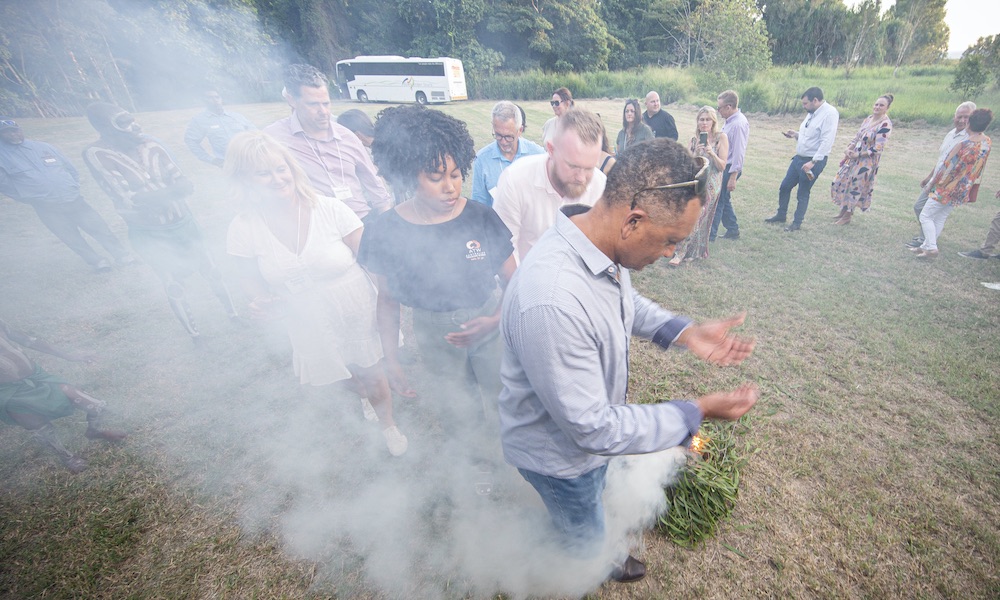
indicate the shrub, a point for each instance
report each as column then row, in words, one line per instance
column 756, row 96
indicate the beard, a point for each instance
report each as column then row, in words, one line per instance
column 566, row 189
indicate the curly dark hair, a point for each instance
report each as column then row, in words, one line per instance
column 659, row 161
column 410, row 140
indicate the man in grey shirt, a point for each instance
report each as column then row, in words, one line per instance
column 568, row 317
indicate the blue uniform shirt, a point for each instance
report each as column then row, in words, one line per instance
column 36, row 173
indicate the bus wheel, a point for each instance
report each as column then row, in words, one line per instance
column 421, row 98
column 362, row 96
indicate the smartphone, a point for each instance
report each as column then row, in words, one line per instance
column 703, row 138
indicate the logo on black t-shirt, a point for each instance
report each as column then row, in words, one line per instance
column 475, row 252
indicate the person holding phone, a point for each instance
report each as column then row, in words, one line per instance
column 713, row 145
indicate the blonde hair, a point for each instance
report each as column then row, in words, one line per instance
column 711, row 113
column 587, row 125
column 252, row 151
column 729, row 98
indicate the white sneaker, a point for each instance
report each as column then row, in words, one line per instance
column 368, row 410
column 395, row 441
column 992, row 286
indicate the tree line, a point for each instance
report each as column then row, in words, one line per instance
column 58, row 56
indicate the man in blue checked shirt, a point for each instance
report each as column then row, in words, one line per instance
column 492, row 159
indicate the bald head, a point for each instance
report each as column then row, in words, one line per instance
column 652, row 104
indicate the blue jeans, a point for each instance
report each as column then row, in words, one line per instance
column 575, row 507
column 795, row 176
column 724, row 209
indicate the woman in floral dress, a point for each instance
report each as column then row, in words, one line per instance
column 715, row 151
column 852, row 188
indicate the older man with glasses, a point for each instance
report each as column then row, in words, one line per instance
column 568, row 318
column 492, row 159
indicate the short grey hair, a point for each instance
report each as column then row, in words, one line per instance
column 507, row 111
column 967, row 104
column 298, row 76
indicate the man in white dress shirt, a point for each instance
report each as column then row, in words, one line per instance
column 531, row 190
column 815, row 139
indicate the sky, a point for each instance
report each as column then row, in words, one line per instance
column 970, row 20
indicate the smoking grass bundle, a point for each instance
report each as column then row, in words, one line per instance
column 705, row 493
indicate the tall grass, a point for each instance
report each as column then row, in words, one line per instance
column 921, row 92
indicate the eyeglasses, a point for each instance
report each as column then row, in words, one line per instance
column 503, row 138
column 555, row 103
column 699, row 183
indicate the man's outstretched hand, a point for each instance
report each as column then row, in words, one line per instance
column 729, row 405
column 712, row 341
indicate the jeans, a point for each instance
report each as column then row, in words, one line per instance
column 66, row 220
column 576, row 508
column 932, row 219
column 795, row 176
column 724, row 209
column 467, row 378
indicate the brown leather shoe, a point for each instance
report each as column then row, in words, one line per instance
column 631, row 571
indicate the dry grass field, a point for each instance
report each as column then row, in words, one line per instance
column 874, row 471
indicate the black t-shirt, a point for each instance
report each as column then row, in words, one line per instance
column 440, row 267
column 662, row 124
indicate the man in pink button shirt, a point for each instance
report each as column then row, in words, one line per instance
column 333, row 158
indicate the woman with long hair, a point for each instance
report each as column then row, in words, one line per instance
column 711, row 144
column 633, row 129
column 855, row 180
column 956, row 182
column 296, row 252
column 440, row 254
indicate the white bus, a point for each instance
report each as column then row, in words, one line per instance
column 398, row 79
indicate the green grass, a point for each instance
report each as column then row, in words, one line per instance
column 876, row 472
column 921, row 92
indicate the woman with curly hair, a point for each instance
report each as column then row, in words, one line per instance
column 296, row 251
column 855, row 181
column 956, row 182
column 633, row 129
column 439, row 254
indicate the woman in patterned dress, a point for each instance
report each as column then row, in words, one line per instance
column 716, row 151
column 957, row 182
column 855, row 180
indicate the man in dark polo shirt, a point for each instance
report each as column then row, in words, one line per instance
column 660, row 121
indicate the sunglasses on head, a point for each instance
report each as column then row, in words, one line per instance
column 6, row 123
column 699, row 183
